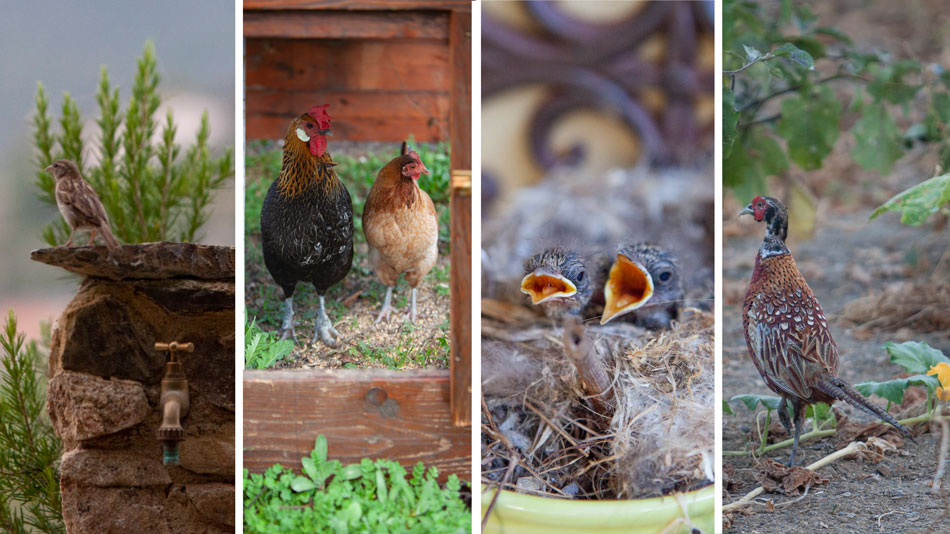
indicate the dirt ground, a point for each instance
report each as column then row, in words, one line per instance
column 353, row 305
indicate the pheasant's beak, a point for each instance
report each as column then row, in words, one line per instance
column 747, row 211
column 544, row 285
column 629, row 286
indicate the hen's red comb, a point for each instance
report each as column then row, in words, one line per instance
column 320, row 114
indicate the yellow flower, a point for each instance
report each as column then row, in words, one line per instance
column 942, row 370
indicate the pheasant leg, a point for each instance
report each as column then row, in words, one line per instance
column 387, row 308
column 287, row 325
column 323, row 328
column 799, row 416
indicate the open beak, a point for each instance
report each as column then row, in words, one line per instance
column 629, row 286
column 747, row 211
column 543, row 285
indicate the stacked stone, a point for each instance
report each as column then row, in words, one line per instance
column 103, row 395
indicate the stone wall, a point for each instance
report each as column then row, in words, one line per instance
column 105, row 375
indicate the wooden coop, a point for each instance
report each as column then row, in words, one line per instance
column 388, row 69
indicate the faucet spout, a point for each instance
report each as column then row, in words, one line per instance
column 174, row 404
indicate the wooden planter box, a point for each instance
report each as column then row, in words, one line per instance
column 300, row 53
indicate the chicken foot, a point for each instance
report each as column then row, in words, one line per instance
column 323, row 328
column 287, row 325
column 387, row 308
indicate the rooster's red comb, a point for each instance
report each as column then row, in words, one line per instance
column 320, row 114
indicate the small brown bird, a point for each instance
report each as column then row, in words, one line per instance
column 79, row 204
column 787, row 332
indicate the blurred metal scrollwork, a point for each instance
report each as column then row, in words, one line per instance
column 598, row 66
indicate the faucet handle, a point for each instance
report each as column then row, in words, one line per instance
column 174, row 346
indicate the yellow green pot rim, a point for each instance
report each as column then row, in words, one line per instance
column 644, row 514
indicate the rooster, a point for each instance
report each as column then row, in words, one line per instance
column 787, row 332
column 307, row 220
column 401, row 227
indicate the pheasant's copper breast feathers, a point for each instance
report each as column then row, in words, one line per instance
column 786, row 329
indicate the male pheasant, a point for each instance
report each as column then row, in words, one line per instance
column 787, row 332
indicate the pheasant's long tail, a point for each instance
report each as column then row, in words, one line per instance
column 841, row 390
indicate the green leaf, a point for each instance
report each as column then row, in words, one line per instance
column 755, row 156
column 920, row 201
column 877, row 139
column 803, row 17
column 310, row 468
column 770, row 402
column 302, row 484
column 751, row 53
column 941, row 104
column 730, row 119
column 915, row 356
column 726, row 409
column 819, row 411
column 809, row 125
column 320, row 448
column 888, row 83
column 893, row 390
column 351, row 472
column 795, row 54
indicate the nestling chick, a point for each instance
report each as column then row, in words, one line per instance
column 558, row 281
column 79, row 204
column 401, row 227
column 643, row 273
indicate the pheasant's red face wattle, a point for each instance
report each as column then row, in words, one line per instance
column 758, row 208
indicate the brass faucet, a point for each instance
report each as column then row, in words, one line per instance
column 175, row 401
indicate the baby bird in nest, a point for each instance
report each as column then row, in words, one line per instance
column 643, row 283
column 558, row 282
column 79, row 204
column 644, row 280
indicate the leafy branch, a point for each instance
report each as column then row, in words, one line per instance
column 151, row 188
column 29, row 451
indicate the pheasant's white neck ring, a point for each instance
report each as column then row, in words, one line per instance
column 302, row 135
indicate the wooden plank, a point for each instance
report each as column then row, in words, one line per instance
column 460, row 127
column 346, row 25
column 400, row 415
column 358, row 116
column 333, row 64
column 394, row 5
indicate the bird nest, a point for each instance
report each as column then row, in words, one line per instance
column 549, row 429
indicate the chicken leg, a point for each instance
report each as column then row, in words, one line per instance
column 412, row 307
column 287, row 325
column 323, row 328
column 387, row 308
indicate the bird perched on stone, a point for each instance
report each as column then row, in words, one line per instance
column 787, row 332
column 558, row 281
column 644, row 280
column 79, row 204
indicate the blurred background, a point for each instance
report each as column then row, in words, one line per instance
column 593, row 86
column 63, row 45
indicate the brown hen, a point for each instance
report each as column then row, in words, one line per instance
column 401, row 227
